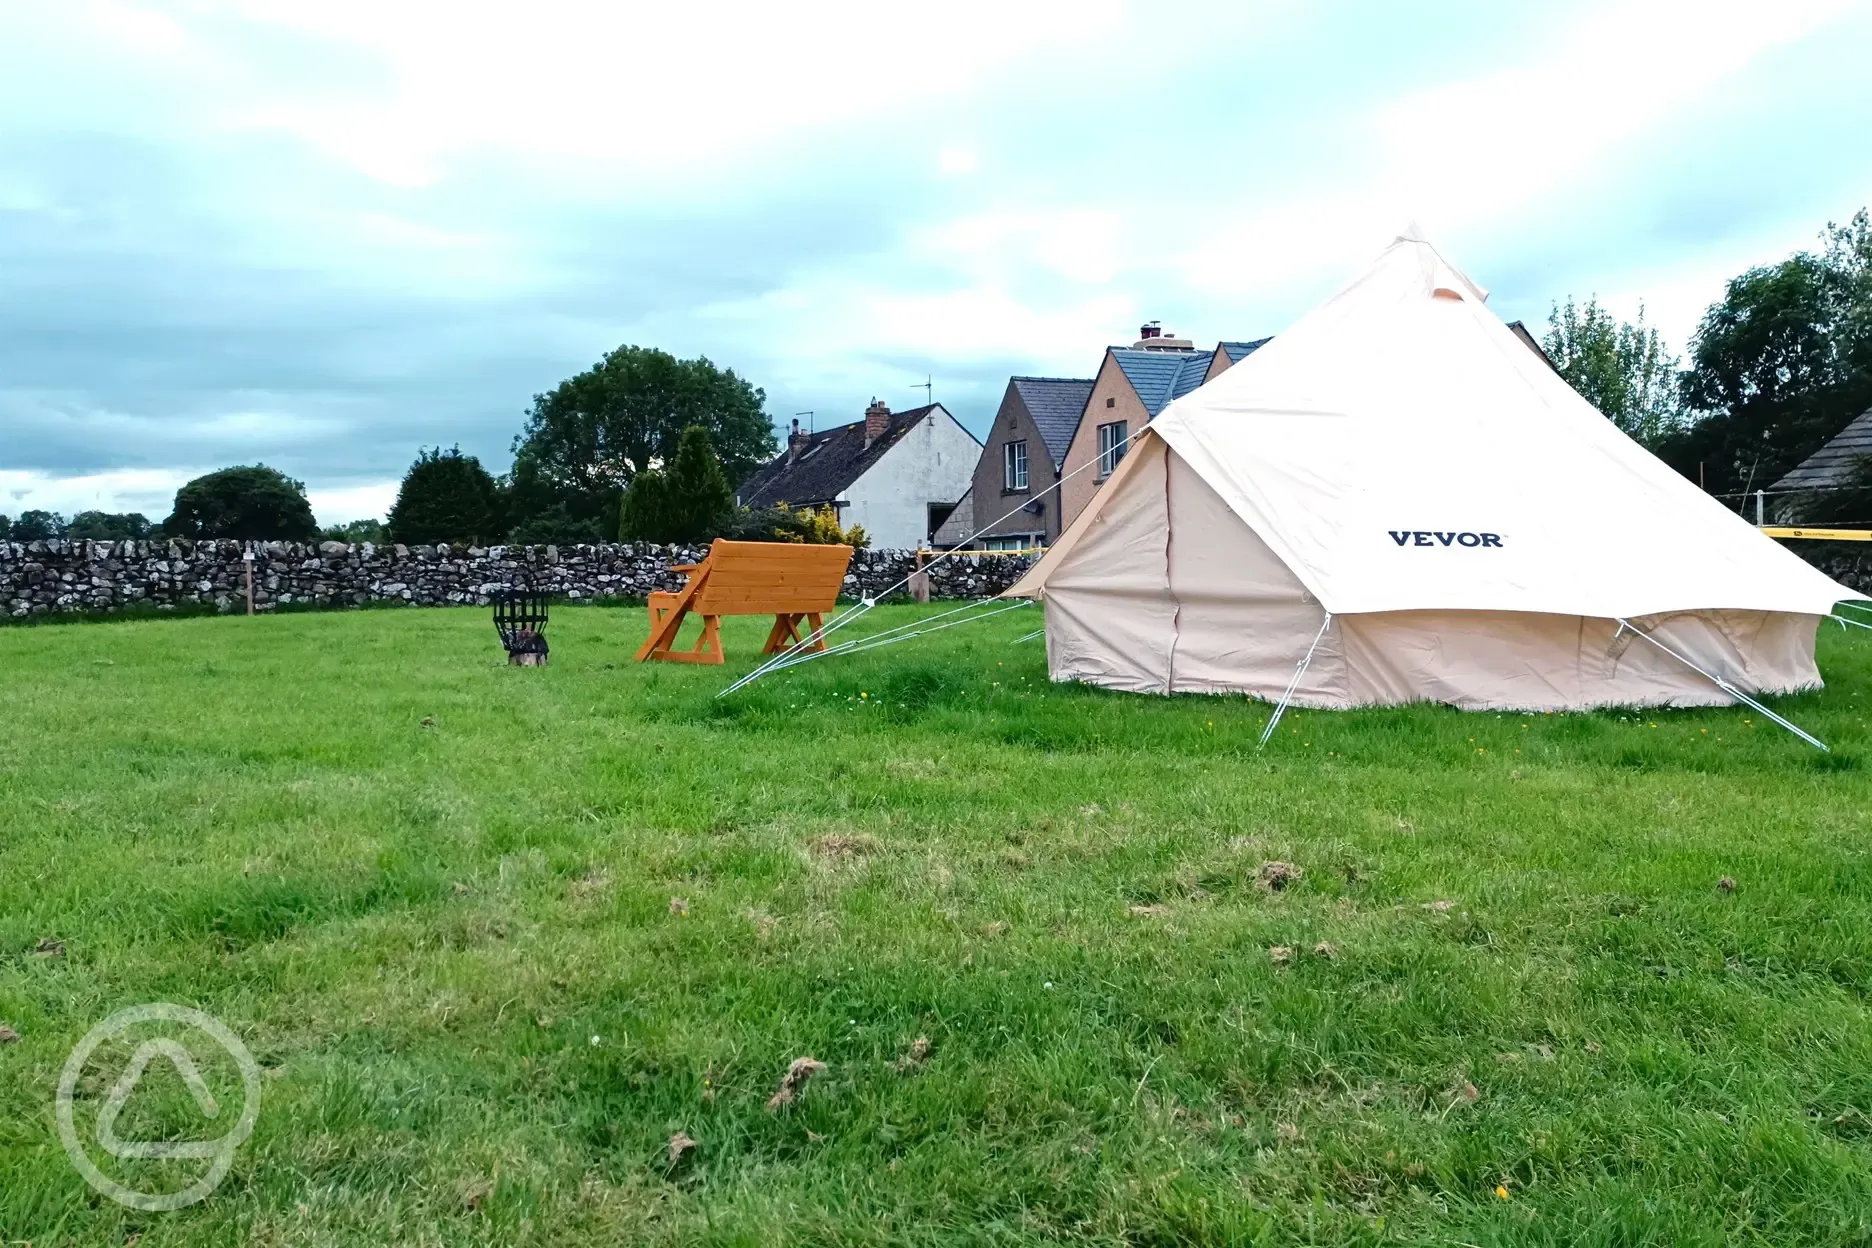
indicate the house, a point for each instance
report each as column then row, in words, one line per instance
column 1834, row 464
column 1077, row 422
column 1227, row 353
column 960, row 526
column 1528, row 340
column 897, row 474
column 1134, row 384
column 1025, row 448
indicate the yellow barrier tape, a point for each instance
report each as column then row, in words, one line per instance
column 1820, row 535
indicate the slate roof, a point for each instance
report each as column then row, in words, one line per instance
column 1835, row 462
column 1532, row 343
column 827, row 464
column 1055, row 403
column 1160, row 376
column 1238, row 351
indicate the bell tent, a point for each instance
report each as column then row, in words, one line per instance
column 1396, row 501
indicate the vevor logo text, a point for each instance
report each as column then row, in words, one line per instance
column 1431, row 537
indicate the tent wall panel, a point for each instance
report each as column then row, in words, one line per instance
column 1244, row 621
column 1757, row 651
column 1110, row 619
column 1487, row 660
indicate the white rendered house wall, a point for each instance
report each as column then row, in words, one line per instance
column 933, row 463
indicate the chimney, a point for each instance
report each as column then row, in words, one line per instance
column 877, row 420
column 794, row 442
column 1151, row 337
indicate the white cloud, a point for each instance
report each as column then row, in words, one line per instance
column 1081, row 244
column 370, row 501
column 1467, row 156
column 621, row 91
column 150, row 491
column 844, row 324
column 324, row 234
column 956, row 159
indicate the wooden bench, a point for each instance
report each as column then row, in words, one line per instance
column 794, row 582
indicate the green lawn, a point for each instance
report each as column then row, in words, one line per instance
column 435, row 896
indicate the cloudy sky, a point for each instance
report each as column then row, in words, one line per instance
column 324, row 233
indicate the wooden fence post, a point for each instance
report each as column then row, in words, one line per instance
column 919, row 579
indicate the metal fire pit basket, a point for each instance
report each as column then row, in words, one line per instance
column 520, row 619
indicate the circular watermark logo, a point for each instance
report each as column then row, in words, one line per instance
column 166, row 1044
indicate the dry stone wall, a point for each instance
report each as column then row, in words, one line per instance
column 1849, row 563
column 43, row 578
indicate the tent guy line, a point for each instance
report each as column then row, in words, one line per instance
column 903, row 632
column 1726, row 687
column 1299, row 671
column 860, row 644
column 865, row 603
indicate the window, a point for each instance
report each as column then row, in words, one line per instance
column 1111, row 446
column 1111, row 402
column 1022, row 541
column 1014, row 465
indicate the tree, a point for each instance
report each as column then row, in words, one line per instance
column 6, row 529
column 540, row 513
column 38, row 526
column 105, row 526
column 1780, row 365
column 251, row 503
column 644, row 512
column 700, row 498
column 446, row 497
column 1621, row 369
column 691, row 502
column 589, row 438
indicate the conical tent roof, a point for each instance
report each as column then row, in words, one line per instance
column 1399, row 449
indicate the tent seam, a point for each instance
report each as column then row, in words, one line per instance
column 1176, row 616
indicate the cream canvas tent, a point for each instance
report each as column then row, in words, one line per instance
column 1399, row 488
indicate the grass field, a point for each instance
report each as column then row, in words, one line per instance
column 496, row 935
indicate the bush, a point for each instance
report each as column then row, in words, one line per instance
column 250, row 503
column 446, row 497
column 781, row 523
column 354, row 532
column 557, row 526
column 105, row 526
